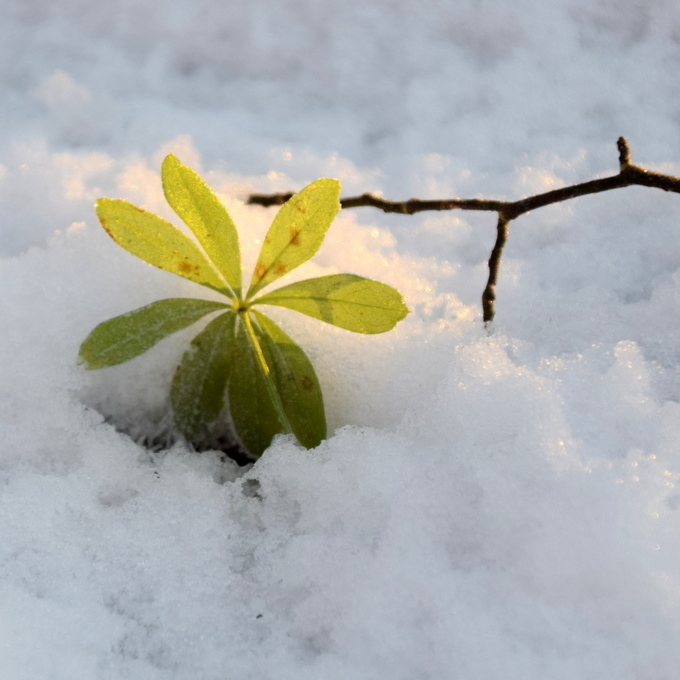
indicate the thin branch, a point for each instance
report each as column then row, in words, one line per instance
column 415, row 205
column 489, row 294
column 628, row 175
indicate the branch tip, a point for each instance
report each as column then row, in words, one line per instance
column 624, row 152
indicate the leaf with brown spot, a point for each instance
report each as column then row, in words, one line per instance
column 260, row 270
column 195, row 203
column 297, row 232
column 156, row 241
column 295, row 381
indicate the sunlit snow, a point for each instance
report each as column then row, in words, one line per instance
column 488, row 506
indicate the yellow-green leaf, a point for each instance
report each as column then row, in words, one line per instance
column 196, row 204
column 297, row 232
column 295, row 381
column 252, row 411
column 345, row 300
column 156, row 241
column 128, row 335
column 200, row 382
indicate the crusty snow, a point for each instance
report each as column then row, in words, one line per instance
column 499, row 506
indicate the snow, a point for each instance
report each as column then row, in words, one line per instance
column 486, row 507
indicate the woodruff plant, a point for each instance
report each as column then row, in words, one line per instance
column 272, row 385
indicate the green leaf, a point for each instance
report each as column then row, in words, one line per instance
column 295, row 381
column 345, row 300
column 124, row 337
column 156, row 241
column 297, row 232
column 200, row 382
column 252, row 410
column 194, row 202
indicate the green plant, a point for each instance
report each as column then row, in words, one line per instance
column 271, row 383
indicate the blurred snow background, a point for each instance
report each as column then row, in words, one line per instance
column 487, row 508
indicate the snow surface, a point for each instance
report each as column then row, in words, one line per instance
column 488, row 507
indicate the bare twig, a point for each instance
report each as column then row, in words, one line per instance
column 628, row 175
column 489, row 294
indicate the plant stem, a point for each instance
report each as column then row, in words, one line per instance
column 266, row 373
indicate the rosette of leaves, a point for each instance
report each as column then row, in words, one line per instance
column 271, row 384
